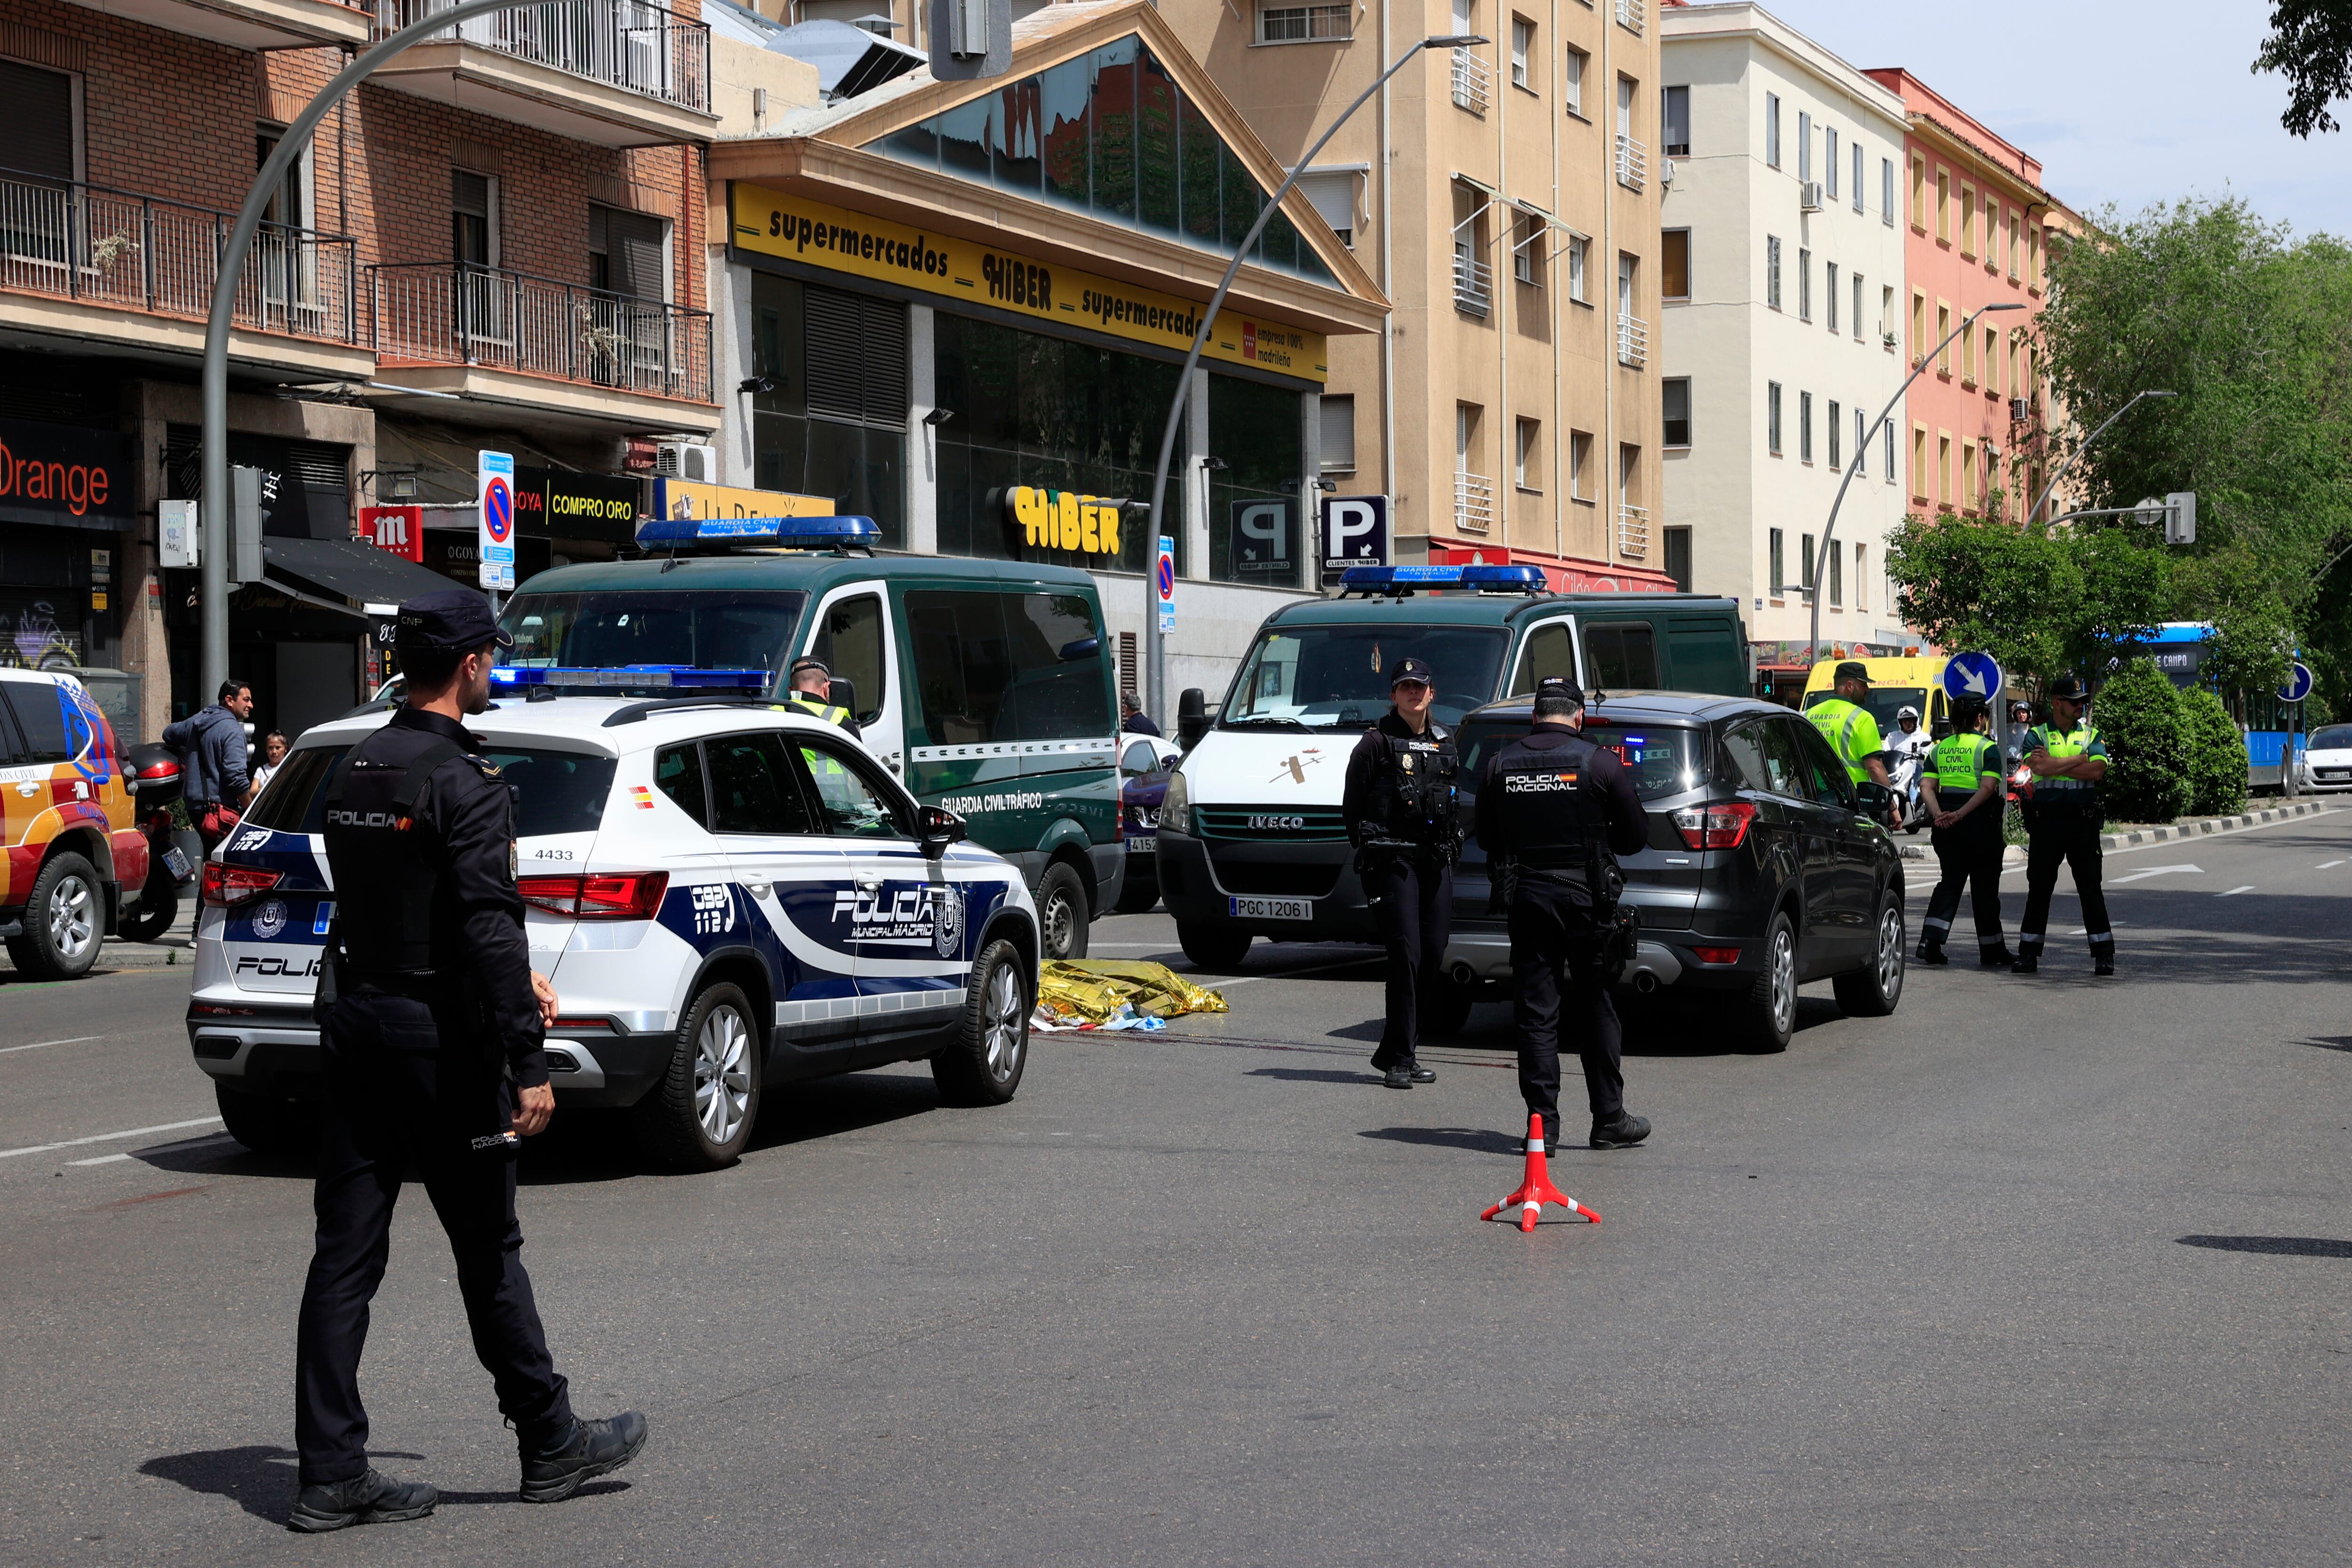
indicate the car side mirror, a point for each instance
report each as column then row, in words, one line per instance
column 938, row 828
column 842, row 695
column 1873, row 799
column 1191, row 718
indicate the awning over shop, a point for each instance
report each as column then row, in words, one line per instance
column 347, row 570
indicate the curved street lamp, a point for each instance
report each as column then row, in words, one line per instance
column 2044, row 500
column 1155, row 652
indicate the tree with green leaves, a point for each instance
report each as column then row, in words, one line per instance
column 2310, row 45
column 2138, row 715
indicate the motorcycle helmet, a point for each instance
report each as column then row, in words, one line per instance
column 1907, row 711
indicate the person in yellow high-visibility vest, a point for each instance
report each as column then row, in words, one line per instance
column 1847, row 725
column 811, row 694
column 1966, row 785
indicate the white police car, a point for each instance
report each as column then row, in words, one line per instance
column 726, row 897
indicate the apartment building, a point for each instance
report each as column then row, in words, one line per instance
column 1977, row 230
column 1509, row 407
column 1784, row 257
column 497, row 243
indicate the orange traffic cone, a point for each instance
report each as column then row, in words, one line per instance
column 1535, row 1188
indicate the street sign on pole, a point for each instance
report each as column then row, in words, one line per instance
column 1163, row 580
column 1972, row 675
column 1355, row 533
column 494, row 474
column 2298, row 684
column 176, row 533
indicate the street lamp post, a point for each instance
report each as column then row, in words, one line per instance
column 2044, row 500
column 1155, row 652
column 1861, row 448
column 213, row 646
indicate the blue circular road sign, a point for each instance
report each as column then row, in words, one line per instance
column 2298, row 684
column 1972, row 675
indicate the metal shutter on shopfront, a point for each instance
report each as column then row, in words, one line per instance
column 856, row 359
column 36, row 121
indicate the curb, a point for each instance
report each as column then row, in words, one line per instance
column 2210, row 825
column 167, row 951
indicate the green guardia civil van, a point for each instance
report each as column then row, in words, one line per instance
column 985, row 685
column 1251, row 842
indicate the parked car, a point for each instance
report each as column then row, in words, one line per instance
column 728, row 897
column 1766, row 868
column 2328, row 759
column 67, row 824
column 1144, row 764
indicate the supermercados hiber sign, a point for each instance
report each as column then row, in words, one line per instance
column 770, row 223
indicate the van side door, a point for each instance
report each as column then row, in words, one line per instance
column 1707, row 653
column 1548, row 648
column 852, row 632
column 1851, row 846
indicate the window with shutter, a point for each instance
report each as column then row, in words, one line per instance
column 1339, row 434
column 1334, row 196
column 472, row 235
column 36, row 121
column 856, row 359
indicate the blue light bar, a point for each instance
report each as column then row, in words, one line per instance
column 633, row 677
column 794, row 533
column 1526, row 578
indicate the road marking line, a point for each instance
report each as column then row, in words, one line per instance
column 2156, row 871
column 2248, row 888
column 2330, row 865
column 43, row 1044
column 108, row 1137
column 2176, row 843
column 100, row 1160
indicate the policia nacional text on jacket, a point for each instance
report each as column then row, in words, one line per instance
column 1554, row 811
column 432, row 1026
column 1399, row 804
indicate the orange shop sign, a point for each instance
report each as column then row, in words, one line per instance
column 60, row 474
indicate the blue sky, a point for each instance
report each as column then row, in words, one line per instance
column 2125, row 101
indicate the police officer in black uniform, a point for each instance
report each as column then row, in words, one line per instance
column 1555, row 810
column 1399, row 808
column 432, row 1022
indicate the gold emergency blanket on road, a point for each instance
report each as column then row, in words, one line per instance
column 1105, row 990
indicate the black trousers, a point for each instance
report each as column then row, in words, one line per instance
column 2068, row 836
column 1553, row 931
column 405, row 1092
column 1968, row 853
column 1412, row 908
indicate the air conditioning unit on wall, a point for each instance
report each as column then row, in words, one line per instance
column 1811, row 195
column 2019, row 410
column 688, row 460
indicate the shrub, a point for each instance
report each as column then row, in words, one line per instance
column 2139, row 717
column 2217, row 756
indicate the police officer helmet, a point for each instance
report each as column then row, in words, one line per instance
column 1907, row 711
column 2069, row 688
column 1411, row 670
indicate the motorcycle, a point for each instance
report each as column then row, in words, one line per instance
column 153, row 772
column 1905, row 778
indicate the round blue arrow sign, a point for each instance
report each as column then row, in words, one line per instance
column 1972, row 675
column 2298, row 684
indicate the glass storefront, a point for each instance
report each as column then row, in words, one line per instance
column 834, row 423
column 1254, row 537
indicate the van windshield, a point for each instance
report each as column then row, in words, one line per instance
column 695, row 629
column 1337, row 678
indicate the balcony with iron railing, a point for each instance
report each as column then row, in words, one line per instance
column 1473, row 81
column 1473, row 285
column 249, row 24
column 1632, row 342
column 622, row 73
column 1630, row 14
column 1632, row 162
column 1474, row 503
column 95, row 253
column 1633, row 531
column 504, row 331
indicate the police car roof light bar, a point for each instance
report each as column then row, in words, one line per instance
column 1404, row 580
column 844, row 533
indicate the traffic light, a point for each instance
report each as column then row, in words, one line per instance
column 2180, row 518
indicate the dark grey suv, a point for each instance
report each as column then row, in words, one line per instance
column 1763, row 871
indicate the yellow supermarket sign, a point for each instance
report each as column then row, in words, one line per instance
column 1064, row 519
column 686, row 498
column 771, row 223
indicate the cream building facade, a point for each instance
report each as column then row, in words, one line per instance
column 1784, row 340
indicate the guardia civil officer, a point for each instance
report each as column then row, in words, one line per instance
column 1851, row 733
column 1398, row 805
column 2068, row 761
column 432, row 1062
column 811, row 694
column 1965, row 775
column 1554, row 813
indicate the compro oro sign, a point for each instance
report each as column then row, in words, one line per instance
column 769, row 223
column 1064, row 519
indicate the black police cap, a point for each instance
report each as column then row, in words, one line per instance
column 454, row 618
column 1411, row 670
column 1559, row 686
column 1852, row 670
column 2068, row 686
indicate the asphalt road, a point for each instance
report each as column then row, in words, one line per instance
column 2041, row 1270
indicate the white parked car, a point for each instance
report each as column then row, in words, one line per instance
column 2327, row 757
column 726, row 897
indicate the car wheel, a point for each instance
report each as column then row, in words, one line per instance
column 699, row 1116
column 1872, row 993
column 266, row 1124
column 64, row 921
column 983, row 1066
column 1062, row 916
column 1771, row 1005
column 1445, row 1005
column 1213, row 947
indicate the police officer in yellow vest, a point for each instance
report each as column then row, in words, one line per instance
column 1847, row 725
column 811, row 694
column 1969, row 794
column 2068, row 761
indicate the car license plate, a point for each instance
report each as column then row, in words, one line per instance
column 175, row 861
column 1141, row 843
column 1271, row 909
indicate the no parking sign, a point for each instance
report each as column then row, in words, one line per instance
column 494, row 474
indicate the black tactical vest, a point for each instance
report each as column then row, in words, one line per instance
column 1413, row 793
column 1551, row 820
column 385, row 864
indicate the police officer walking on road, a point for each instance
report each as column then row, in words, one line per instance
column 1399, row 808
column 1555, row 810
column 811, row 694
column 1851, row 733
column 1965, row 779
column 432, row 1022
column 2068, row 761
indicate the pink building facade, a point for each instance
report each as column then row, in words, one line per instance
column 1979, row 225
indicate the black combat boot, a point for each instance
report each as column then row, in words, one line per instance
column 1622, row 1130
column 2029, row 961
column 370, row 1498
column 593, row 1448
column 1930, row 953
column 1997, row 956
